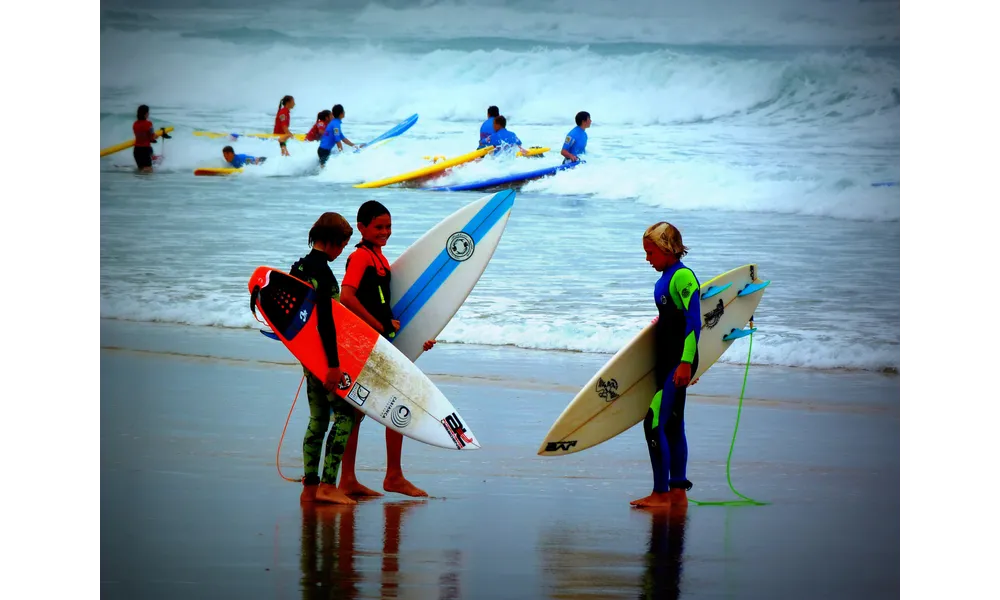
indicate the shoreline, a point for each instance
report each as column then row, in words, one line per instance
column 888, row 371
column 191, row 503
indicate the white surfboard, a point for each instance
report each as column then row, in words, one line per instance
column 618, row 396
column 377, row 378
column 434, row 276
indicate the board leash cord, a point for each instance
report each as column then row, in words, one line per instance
column 744, row 500
column 277, row 457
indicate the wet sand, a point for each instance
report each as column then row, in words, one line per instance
column 192, row 504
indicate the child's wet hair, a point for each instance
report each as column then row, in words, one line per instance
column 371, row 210
column 330, row 228
column 667, row 238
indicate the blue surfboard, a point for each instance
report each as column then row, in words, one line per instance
column 505, row 179
column 396, row 131
column 464, row 240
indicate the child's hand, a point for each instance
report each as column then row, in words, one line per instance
column 395, row 325
column 655, row 319
column 429, row 344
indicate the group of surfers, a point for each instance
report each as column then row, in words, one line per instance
column 328, row 130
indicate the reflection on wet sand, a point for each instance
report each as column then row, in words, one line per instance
column 393, row 513
column 575, row 565
column 327, row 558
column 662, row 577
column 330, row 557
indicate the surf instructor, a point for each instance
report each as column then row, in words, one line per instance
column 678, row 328
column 142, row 128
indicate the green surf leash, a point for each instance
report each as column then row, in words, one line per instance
column 745, row 500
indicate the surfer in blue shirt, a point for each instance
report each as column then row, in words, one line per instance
column 576, row 139
column 501, row 139
column 678, row 329
column 238, row 160
column 334, row 135
column 486, row 129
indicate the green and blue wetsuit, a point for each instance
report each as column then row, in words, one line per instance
column 677, row 295
column 314, row 268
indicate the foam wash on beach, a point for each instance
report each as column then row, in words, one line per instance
column 758, row 132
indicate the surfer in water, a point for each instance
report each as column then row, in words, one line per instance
column 319, row 128
column 367, row 294
column 238, row 160
column 144, row 138
column 501, row 138
column 486, row 129
column 334, row 135
column 576, row 139
column 678, row 329
column 328, row 238
column 282, row 120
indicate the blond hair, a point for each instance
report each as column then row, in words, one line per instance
column 666, row 237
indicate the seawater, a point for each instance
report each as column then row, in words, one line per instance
column 757, row 132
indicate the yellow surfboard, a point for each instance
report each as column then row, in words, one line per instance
column 430, row 170
column 128, row 144
column 207, row 171
column 530, row 152
column 215, row 134
column 534, row 151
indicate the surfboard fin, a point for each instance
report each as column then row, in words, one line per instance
column 753, row 287
column 736, row 334
column 715, row 290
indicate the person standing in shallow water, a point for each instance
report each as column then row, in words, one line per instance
column 281, row 122
column 678, row 329
column 328, row 238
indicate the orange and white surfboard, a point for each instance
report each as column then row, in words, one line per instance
column 378, row 378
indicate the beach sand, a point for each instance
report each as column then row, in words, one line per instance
column 192, row 505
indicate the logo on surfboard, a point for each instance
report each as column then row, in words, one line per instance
column 401, row 416
column 559, row 446
column 712, row 317
column 358, row 394
column 453, row 425
column 460, row 246
column 608, row 390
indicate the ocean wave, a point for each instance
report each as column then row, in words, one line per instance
column 553, row 334
column 663, row 87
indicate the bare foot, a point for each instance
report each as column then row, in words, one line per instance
column 399, row 484
column 654, row 499
column 353, row 488
column 678, row 497
column 329, row 493
column 308, row 494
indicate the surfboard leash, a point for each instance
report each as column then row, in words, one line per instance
column 745, row 500
column 277, row 458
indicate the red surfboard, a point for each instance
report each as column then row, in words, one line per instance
column 378, row 378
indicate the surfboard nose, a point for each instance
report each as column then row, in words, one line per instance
column 460, row 433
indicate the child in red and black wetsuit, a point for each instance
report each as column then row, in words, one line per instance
column 317, row 131
column 144, row 138
column 366, row 293
column 282, row 120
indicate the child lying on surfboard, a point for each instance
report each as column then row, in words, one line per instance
column 238, row 160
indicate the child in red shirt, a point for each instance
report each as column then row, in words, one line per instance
column 282, row 120
column 365, row 292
